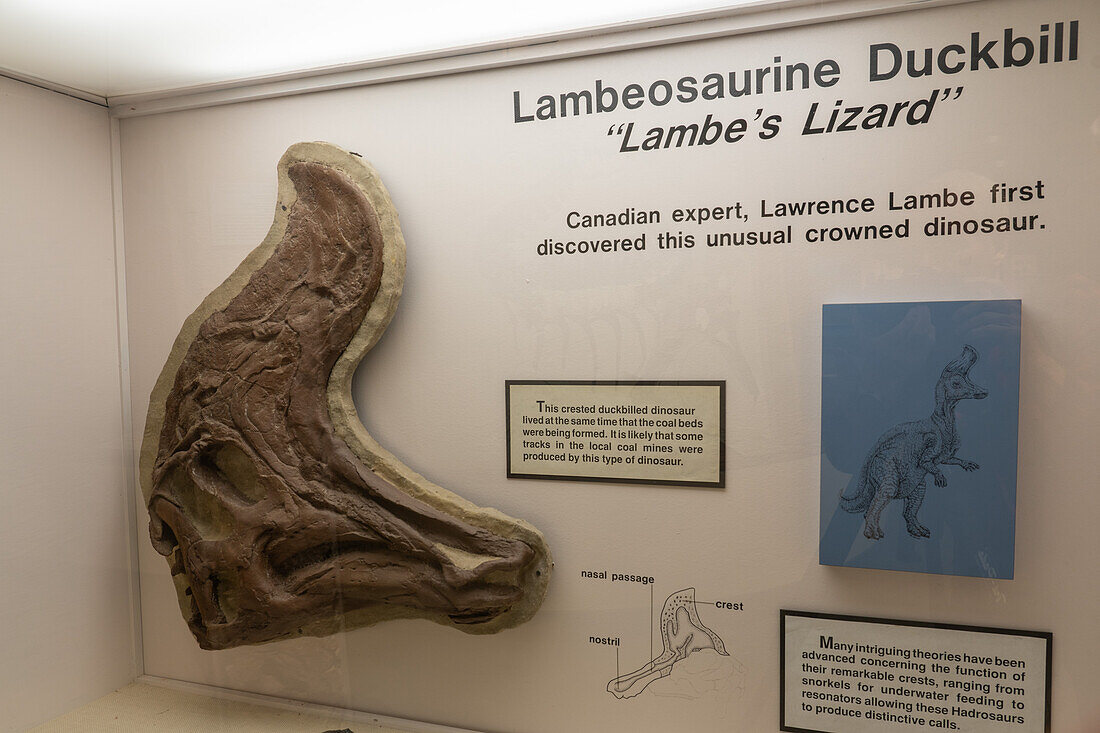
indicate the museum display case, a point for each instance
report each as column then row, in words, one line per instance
column 737, row 373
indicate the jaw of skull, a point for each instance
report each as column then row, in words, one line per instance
column 252, row 560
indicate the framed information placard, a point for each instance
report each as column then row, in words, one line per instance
column 641, row 432
column 848, row 674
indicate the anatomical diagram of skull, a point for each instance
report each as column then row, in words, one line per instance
column 682, row 634
column 278, row 513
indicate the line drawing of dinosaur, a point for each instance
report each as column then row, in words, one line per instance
column 906, row 453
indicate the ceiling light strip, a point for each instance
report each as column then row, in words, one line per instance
column 751, row 18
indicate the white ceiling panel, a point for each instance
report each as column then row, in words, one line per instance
column 121, row 47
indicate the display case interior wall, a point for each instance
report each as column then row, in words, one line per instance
column 66, row 620
column 834, row 263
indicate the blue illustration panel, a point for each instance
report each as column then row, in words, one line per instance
column 919, row 414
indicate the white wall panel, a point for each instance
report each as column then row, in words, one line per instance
column 65, row 629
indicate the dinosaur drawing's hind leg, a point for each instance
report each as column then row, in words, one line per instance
column 887, row 491
column 912, row 506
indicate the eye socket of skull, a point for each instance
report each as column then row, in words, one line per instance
column 197, row 490
column 204, row 486
column 232, row 472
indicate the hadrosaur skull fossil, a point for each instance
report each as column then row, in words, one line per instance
column 278, row 513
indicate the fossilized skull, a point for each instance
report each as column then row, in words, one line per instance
column 278, row 513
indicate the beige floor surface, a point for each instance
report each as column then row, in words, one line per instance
column 146, row 708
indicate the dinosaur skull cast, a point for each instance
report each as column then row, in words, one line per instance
column 278, row 514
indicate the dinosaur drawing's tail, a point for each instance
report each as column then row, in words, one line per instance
column 861, row 494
